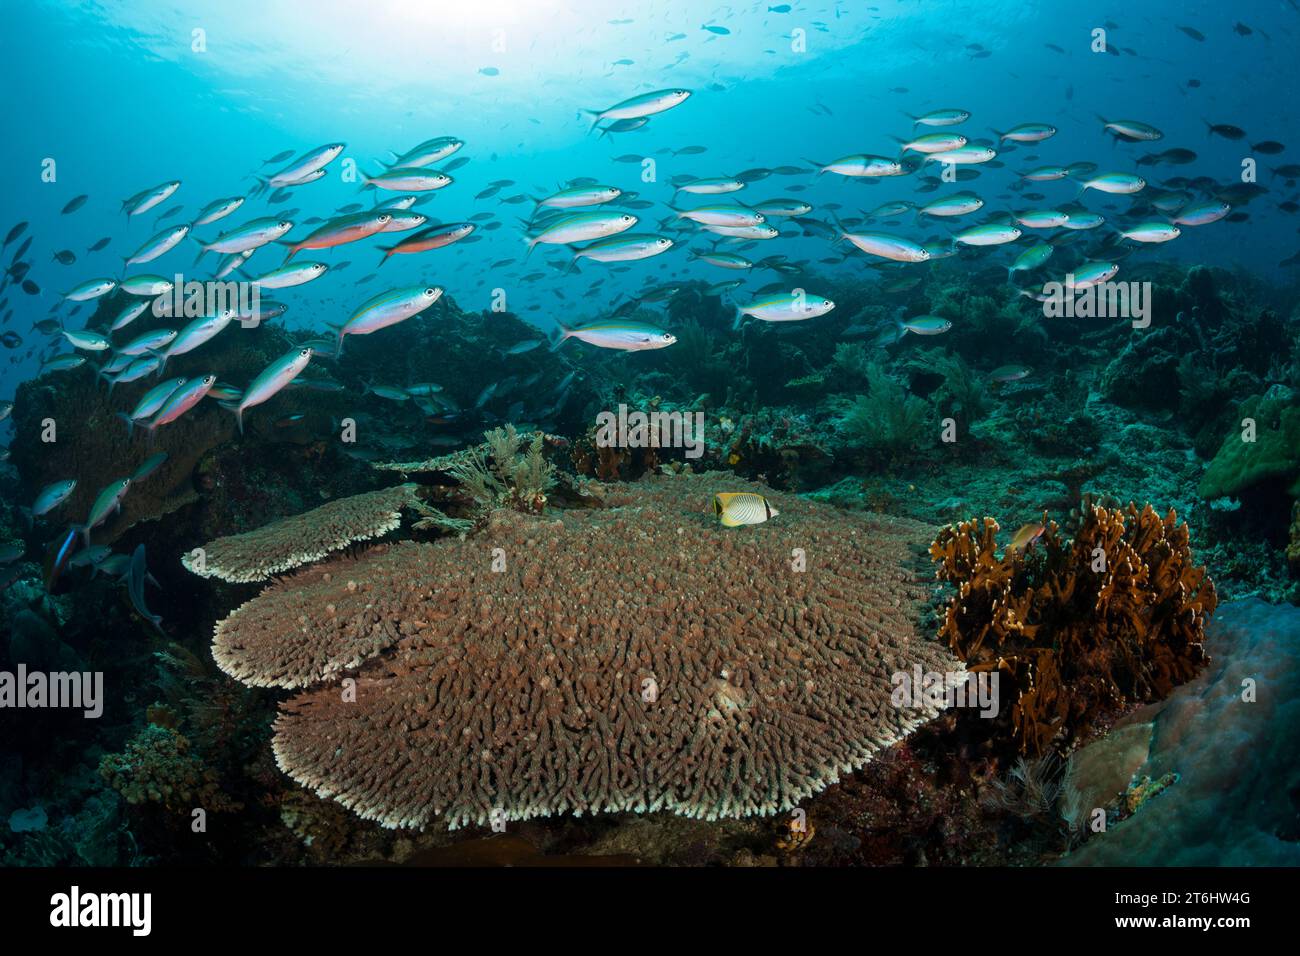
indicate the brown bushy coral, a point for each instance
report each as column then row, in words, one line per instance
column 1077, row 628
column 634, row 657
column 158, row 767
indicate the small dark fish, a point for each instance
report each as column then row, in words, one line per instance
column 11, row 339
column 489, row 192
column 168, row 214
column 1226, row 130
column 278, row 157
column 135, row 587
column 102, row 244
column 490, row 71
column 65, row 257
column 1195, row 34
column 58, row 555
column 720, row 31
column 628, row 158
column 690, row 151
column 350, row 207
column 279, row 196
column 30, row 287
column 148, row 467
column 456, row 164
column 1268, row 147
column 14, row 233
column 1242, row 30
column 753, row 175
column 75, row 203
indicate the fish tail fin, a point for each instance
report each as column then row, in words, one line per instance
column 563, row 332
column 263, row 184
column 914, row 119
column 573, row 262
column 821, row 167
column 387, row 251
column 233, row 406
column 595, row 122
column 130, row 423
column 738, row 318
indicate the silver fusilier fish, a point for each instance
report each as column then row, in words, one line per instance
column 647, row 104
column 387, row 309
column 273, row 378
column 108, row 502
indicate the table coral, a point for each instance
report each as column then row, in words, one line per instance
column 633, row 657
column 300, row 539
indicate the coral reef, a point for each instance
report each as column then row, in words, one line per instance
column 886, row 418
column 300, row 539
column 157, row 767
column 632, row 657
column 1273, row 451
column 508, row 471
column 1076, row 629
column 1293, row 544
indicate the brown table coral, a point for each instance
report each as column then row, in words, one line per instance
column 297, row 540
column 636, row 657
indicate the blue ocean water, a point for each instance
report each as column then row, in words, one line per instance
column 123, row 95
column 109, row 99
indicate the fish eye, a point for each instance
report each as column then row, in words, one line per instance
column 429, row 292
